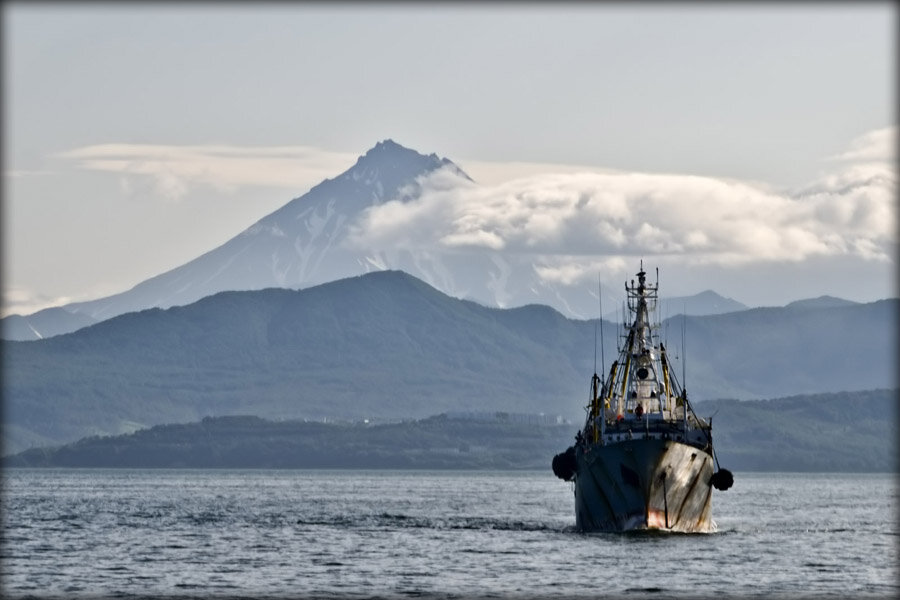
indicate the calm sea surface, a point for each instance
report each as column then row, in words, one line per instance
column 360, row 534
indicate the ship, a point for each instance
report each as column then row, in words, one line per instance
column 644, row 460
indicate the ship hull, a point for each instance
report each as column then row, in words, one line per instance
column 643, row 484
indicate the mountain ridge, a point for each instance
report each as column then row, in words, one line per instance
column 387, row 344
column 35, row 326
column 820, row 302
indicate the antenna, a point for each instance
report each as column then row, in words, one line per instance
column 683, row 352
column 595, row 348
column 618, row 334
column 666, row 333
column 600, row 299
column 658, row 303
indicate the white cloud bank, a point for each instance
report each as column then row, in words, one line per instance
column 20, row 300
column 879, row 145
column 576, row 224
column 174, row 170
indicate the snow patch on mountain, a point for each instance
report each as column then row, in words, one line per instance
column 315, row 222
column 36, row 333
column 498, row 280
column 262, row 228
column 376, row 262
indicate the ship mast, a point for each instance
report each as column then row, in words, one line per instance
column 643, row 393
column 640, row 389
column 643, row 387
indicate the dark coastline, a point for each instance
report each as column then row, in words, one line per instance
column 842, row 432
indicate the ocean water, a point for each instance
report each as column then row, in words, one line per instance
column 395, row 534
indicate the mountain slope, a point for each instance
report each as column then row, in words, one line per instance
column 297, row 245
column 388, row 345
column 705, row 303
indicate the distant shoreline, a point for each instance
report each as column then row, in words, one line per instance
column 799, row 434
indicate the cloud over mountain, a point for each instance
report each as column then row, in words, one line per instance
column 544, row 238
column 566, row 221
column 174, row 169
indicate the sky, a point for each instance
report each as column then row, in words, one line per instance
column 750, row 148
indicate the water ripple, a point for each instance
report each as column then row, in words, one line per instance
column 392, row 535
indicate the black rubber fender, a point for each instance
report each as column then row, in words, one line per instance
column 722, row 479
column 564, row 464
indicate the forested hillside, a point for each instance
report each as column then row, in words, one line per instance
column 849, row 432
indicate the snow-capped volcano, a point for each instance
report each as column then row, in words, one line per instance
column 298, row 245
column 310, row 240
